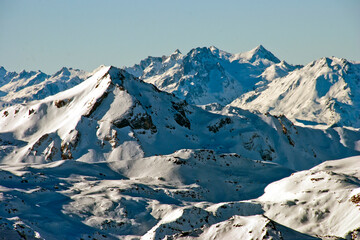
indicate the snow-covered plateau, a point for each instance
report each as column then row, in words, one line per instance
column 207, row 145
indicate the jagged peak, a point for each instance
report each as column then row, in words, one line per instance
column 63, row 70
column 329, row 62
column 175, row 55
column 114, row 71
column 68, row 70
column 117, row 74
column 176, row 52
column 2, row 71
column 213, row 48
column 200, row 52
column 25, row 73
column 289, row 67
column 261, row 52
column 258, row 53
column 259, row 48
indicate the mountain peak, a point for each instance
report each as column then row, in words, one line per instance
column 2, row 70
column 329, row 62
column 175, row 55
column 200, row 52
column 61, row 71
column 114, row 71
column 261, row 52
column 24, row 74
column 176, row 52
column 213, row 48
column 260, row 48
column 117, row 75
column 258, row 55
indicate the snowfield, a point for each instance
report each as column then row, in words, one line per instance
column 269, row 151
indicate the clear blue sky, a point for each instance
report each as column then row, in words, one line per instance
column 49, row 34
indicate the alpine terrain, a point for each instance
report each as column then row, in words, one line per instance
column 203, row 145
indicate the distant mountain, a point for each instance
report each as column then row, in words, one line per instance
column 326, row 91
column 12, row 81
column 209, row 75
column 28, row 86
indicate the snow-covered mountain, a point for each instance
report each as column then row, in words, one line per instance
column 326, row 91
column 27, row 86
column 113, row 115
column 209, row 75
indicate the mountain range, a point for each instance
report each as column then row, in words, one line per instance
column 208, row 75
column 207, row 145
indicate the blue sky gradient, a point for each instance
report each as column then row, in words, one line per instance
column 47, row 34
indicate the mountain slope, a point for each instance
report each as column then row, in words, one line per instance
column 175, row 196
column 111, row 200
column 325, row 92
column 208, row 75
column 113, row 115
column 322, row 201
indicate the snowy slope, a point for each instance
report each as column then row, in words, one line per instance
column 325, row 92
column 28, row 86
column 113, row 115
column 323, row 201
column 111, row 200
column 191, row 194
column 208, row 75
